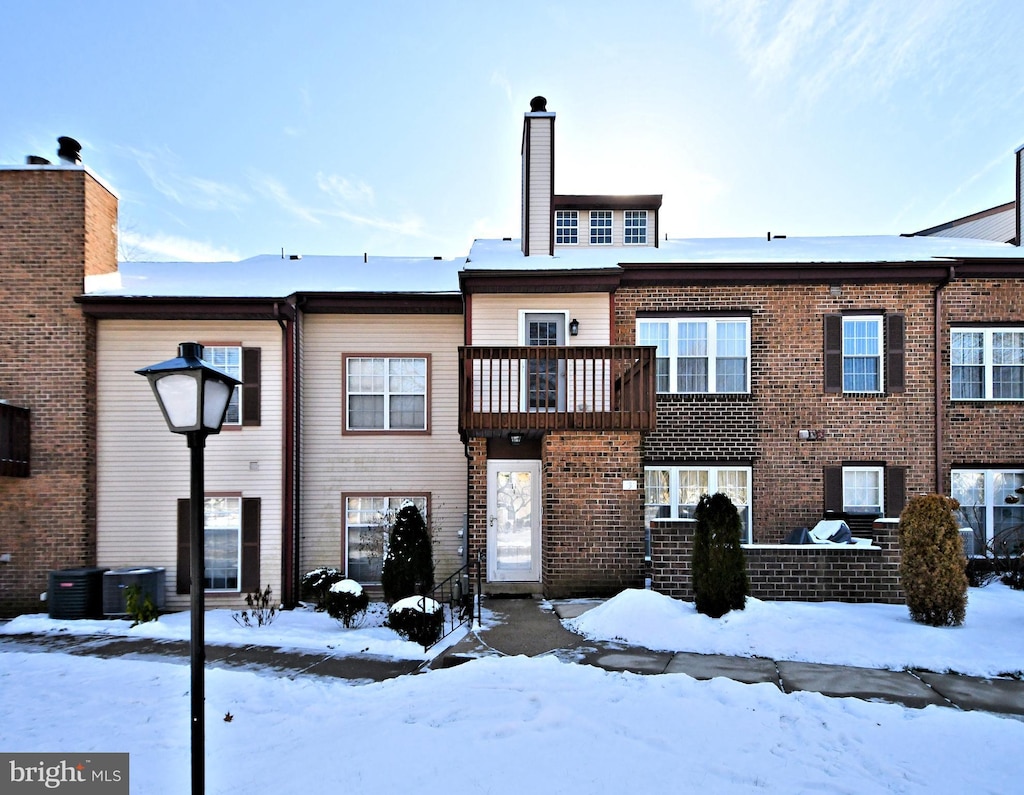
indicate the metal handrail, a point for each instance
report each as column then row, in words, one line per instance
column 458, row 599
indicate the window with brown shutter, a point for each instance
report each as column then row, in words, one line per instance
column 248, row 566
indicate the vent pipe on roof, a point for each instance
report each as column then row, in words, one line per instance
column 69, row 151
column 36, row 160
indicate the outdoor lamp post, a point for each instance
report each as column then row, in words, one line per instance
column 194, row 397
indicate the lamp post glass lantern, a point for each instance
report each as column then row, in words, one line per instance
column 193, row 397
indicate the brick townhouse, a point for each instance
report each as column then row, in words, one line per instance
column 545, row 400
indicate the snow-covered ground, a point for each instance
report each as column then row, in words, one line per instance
column 515, row 725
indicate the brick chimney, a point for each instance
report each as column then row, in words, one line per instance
column 58, row 223
column 538, row 179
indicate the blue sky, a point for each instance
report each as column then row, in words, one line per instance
column 231, row 129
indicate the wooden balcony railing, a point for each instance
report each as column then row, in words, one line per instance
column 547, row 388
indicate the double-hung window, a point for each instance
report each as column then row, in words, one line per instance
column 987, row 364
column 228, row 359
column 600, row 227
column 699, row 355
column 222, row 548
column 368, row 519
column 672, row 492
column 991, row 510
column 635, row 227
column 386, row 393
column 863, row 489
column 567, row 227
column 864, row 353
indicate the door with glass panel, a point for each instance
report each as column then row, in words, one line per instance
column 545, row 374
column 513, row 521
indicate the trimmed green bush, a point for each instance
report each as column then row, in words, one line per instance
column 933, row 565
column 347, row 601
column 720, row 582
column 316, row 585
column 409, row 562
column 417, row 618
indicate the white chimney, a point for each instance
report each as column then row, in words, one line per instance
column 538, row 179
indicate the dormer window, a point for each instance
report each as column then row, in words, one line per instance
column 600, row 227
column 567, row 227
column 635, row 228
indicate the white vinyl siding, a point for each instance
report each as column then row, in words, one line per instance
column 143, row 469
column 336, row 463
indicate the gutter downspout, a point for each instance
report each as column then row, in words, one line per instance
column 290, row 448
column 940, row 418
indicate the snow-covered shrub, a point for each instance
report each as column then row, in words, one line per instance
column 417, row 618
column 316, row 584
column 933, row 564
column 346, row 601
column 409, row 562
column 720, row 582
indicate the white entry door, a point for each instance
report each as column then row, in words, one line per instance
column 513, row 521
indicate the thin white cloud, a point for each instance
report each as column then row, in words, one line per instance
column 501, row 80
column 199, row 193
column 345, row 190
column 171, row 248
column 273, row 189
column 862, row 47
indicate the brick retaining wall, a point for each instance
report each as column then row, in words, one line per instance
column 788, row 572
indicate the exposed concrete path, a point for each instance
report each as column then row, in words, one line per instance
column 533, row 628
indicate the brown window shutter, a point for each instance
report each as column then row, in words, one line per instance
column 833, row 353
column 894, row 358
column 833, row 487
column 250, row 386
column 184, row 576
column 895, row 491
column 250, row 544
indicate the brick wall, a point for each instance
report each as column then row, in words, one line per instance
column 56, row 225
column 787, row 394
column 593, row 530
column 788, row 573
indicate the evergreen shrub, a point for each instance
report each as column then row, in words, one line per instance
column 409, row 561
column 347, row 601
column 720, row 582
column 316, row 585
column 417, row 618
column 933, row 564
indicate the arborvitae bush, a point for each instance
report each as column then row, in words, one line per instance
column 409, row 562
column 720, row 581
column 933, row 566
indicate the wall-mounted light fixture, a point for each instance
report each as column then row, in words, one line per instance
column 810, row 436
column 516, row 438
column 574, row 327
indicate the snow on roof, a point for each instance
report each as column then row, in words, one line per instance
column 270, row 276
column 507, row 254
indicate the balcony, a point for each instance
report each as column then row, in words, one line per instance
column 556, row 388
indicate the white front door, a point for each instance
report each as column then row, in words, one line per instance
column 513, row 521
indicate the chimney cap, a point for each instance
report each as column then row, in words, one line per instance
column 69, row 150
column 538, row 105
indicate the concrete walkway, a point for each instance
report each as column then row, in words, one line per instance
column 527, row 626
column 533, row 628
